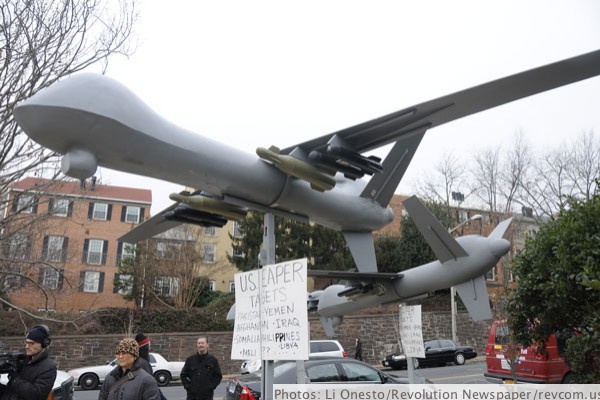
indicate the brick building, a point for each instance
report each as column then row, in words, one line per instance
column 59, row 241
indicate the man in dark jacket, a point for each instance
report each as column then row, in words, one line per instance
column 201, row 373
column 33, row 380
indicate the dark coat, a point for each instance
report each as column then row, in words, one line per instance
column 200, row 375
column 142, row 386
column 34, row 381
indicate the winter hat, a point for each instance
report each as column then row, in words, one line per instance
column 141, row 339
column 128, row 346
column 38, row 333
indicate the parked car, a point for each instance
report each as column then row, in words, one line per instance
column 531, row 366
column 344, row 371
column 437, row 352
column 88, row 378
column 318, row 349
column 63, row 386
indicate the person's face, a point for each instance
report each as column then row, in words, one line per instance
column 125, row 360
column 202, row 346
column 32, row 348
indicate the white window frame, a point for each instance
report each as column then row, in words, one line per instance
column 127, row 251
column 100, row 212
column 209, row 253
column 168, row 250
column 60, row 207
column 50, row 278
column 212, row 286
column 170, row 283
column 12, row 281
column 231, row 286
column 210, row 231
column 19, row 247
column 493, row 273
column 127, row 280
column 54, row 252
column 237, row 252
column 25, row 203
column 236, row 230
column 91, row 281
column 92, row 251
column 132, row 214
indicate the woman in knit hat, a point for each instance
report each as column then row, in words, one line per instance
column 129, row 381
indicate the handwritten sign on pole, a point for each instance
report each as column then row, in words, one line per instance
column 271, row 318
column 411, row 331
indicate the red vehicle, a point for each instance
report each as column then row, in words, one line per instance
column 531, row 366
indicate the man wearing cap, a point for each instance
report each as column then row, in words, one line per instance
column 129, row 381
column 34, row 379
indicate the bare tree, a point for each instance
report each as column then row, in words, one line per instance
column 486, row 177
column 40, row 42
column 540, row 184
column 547, row 189
column 449, row 176
column 515, row 167
column 165, row 272
column 584, row 168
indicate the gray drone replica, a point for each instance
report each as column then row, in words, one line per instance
column 93, row 120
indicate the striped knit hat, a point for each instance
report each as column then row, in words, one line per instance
column 141, row 339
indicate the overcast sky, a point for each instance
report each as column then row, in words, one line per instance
column 262, row 73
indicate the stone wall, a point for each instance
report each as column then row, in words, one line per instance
column 379, row 334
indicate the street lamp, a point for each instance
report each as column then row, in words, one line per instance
column 453, row 311
column 466, row 222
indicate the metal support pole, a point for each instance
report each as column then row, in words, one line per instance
column 453, row 312
column 410, row 367
column 269, row 248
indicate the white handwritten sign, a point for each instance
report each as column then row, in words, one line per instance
column 411, row 331
column 271, row 318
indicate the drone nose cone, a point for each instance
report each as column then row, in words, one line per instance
column 499, row 247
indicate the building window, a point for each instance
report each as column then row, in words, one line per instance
column 237, row 251
column 511, row 277
column 231, row 286
column 167, row 286
column 123, row 284
column 100, row 211
column 212, row 286
column 55, row 248
column 94, row 251
column 60, row 207
column 168, row 250
column 209, row 254
column 132, row 214
column 50, row 278
column 91, row 281
column 25, row 203
column 210, row 231
column 12, row 277
column 491, row 274
column 461, row 216
column 125, row 252
column 236, row 230
column 19, row 247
